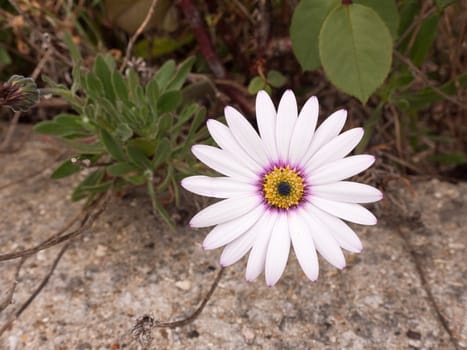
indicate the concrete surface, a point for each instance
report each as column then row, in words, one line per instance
column 407, row 290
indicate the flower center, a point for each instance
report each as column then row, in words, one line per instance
column 283, row 187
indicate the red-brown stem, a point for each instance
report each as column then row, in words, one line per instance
column 199, row 27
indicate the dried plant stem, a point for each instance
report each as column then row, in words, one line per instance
column 136, row 34
column 87, row 218
column 419, row 74
column 9, row 298
column 144, row 325
column 36, row 292
column 197, row 312
column 200, row 30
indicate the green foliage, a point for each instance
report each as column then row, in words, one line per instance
column 274, row 79
column 352, row 42
column 125, row 132
column 355, row 48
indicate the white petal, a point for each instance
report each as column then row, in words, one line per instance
column 323, row 239
column 347, row 191
column 286, row 119
column 225, row 210
column 303, row 246
column 348, row 211
column 225, row 140
column 340, row 169
column 257, row 257
column 236, row 249
column 304, row 130
column 341, row 232
column 225, row 233
column 246, row 135
column 329, row 129
column 278, row 251
column 217, row 187
column 266, row 119
column 222, row 162
column 336, row 149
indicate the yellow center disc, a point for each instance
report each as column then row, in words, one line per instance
column 283, row 188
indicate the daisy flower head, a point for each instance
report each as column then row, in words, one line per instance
column 282, row 187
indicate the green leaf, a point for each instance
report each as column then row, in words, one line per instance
column 112, row 145
column 84, row 147
column 123, row 132
column 119, row 86
column 387, row 10
column 51, row 127
column 102, row 71
column 442, row 4
column 356, row 50
column 93, row 179
column 169, row 101
column 256, row 84
column 276, row 78
column 152, row 92
column 177, row 82
column 120, row 168
column 454, row 158
column 5, row 58
column 94, row 87
column 424, row 40
column 307, row 21
column 136, row 180
column 65, row 169
column 157, row 206
column 72, row 47
column 165, row 74
column 138, row 158
column 162, row 153
column 408, row 11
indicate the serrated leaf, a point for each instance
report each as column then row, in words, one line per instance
column 65, row 169
column 112, row 146
column 356, row 50
column 307, row 20
column 169, row 101
column 256, row 84
column 120, row 168
column 387, row 10
column 276, row 78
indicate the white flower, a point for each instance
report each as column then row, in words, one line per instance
column 282, row 187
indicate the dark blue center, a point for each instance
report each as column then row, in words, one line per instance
column 284, row 188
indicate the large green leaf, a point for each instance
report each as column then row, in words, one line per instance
column 387, row 10
column 307, row 20
column 356, row 50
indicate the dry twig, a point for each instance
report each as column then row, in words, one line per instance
column 136, row 34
